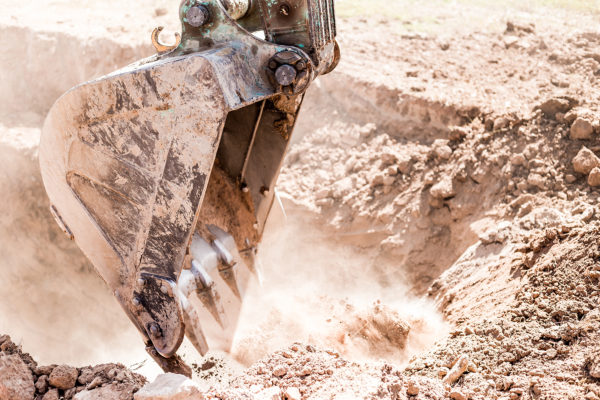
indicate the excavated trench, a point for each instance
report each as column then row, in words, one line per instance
column 335, row 285
column 457, row 245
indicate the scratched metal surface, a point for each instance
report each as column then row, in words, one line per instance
column 126, row 159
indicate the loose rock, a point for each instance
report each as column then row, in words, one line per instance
column 582, row 129
column 585, row 161
column 292, row 393
column 459, row 368
column 52, row 394
column 63, row 377
column 555, row 105
column 443, row 189
column 16, row 380
column 412, row 388
column 594, row 177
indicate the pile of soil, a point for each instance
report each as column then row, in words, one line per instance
column 21, row 378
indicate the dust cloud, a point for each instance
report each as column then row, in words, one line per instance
column 320, row 291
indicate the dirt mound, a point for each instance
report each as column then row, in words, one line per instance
column 22, row 378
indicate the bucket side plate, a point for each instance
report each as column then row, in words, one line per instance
column 125, row 161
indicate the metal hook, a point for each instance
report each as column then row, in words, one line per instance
column 161, row 48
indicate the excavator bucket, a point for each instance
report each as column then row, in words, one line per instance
column 163, row 172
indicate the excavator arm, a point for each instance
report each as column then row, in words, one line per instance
column 163, row 172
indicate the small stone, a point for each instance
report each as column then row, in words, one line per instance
column 292, row 393
column 63, row 377
column 571, row 116
column 97, row 381
column 594, row 177
column 459, row 132
column 443, row 372
column 518, row 159
column 553, row 106
column 388, row 159
column 536, row 180
column 280, row 370
column 404, row 164
column 570, row 178
column 443, row 152
column 441, row 149
column 585, row 161
column 71, row 392
column 377, row 180
column 41, row 385
column 459, row 368
column 501, row 123
column 444, row 189
column 582, row 129
column 456, row 395
column 44, row 369
column 412, row 389
column 52, row 394
column 388, row 180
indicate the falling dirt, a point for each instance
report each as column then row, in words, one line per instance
column 437, row 235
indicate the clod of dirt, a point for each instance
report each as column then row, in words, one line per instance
column 459, row 368
column 556, row 105
column 582, row 129
column 63, row 377
column 585, row 161
column 594, row 177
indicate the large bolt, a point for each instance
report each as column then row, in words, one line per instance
column 197, row 16
column 154, row 330
column 285, row 75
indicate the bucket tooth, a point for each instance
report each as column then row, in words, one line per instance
column 225, row 246
column 193, row 330
column 229, row 277
column 208, row 295
column 204, row 253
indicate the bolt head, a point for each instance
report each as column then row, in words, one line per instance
column 301, row 65
column 136, row 302
column 285, row 75
column 154, row 329
column 197, row 16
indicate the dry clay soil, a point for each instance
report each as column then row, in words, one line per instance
column 456, row 173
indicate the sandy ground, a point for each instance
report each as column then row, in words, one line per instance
column 441, row 233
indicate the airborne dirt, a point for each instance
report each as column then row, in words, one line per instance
column 440, row 237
